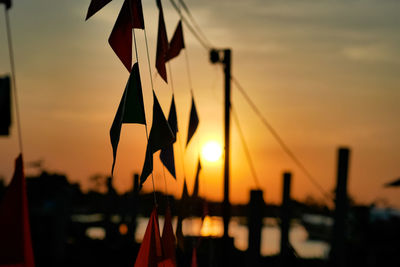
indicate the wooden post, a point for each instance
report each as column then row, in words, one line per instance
column 285, row 216
column 255, row 223
column 226, row 207
column 226, row 62
column 338, row 246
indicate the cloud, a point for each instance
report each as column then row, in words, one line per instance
column 371, row 53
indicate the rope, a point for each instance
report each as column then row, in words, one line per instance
column 196, row 25
column 246, row 149
column 281, row 142
column 152, row 88
column 195, row 34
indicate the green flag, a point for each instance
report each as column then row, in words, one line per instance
column 160, row 137
column 193, row 122
column 167, row 153
column 130, row 110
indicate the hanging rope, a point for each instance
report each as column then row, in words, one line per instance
column 279, row 139
column 246, row 149
column 152, row 88
column 195, row 24
column 13, row 80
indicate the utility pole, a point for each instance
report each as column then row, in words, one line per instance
column 226, row 61
column 285, row 219
column 338, row 246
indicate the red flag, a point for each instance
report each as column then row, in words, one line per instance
column 150, row 252
column 15, row 236
column 120, row 40
column 95, row 5
column 166, row 263
column 162, row 44
column 168, row 238
column 137, row 14
column 194, row 258
column 177, row 43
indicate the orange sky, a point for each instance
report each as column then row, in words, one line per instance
column 324, row 74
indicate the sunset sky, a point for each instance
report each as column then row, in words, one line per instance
column 324, row 73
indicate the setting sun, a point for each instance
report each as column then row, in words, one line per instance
column 212, row 151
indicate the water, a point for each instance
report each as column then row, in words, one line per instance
column 213, row 226
column 270, row 240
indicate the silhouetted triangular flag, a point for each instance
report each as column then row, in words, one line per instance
column 168, row 238
column 194, row 258
column 7, row 3
column 150, row 252
column 393, row 183
column 177, row 43
column 15, row 236
column 162, row 44
column 193, row 122
column 185, row 193
column 130, row 109
column 137, row 14
column 172, row 118
column 160, row 137
column 5, row 105
column 196, row 181
column 95, row 5
column 120, row 40
column 167, row 153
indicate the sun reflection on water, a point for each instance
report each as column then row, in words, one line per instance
column 211, row 227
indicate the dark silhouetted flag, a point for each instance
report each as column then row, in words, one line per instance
column 185, row 193
column 120, row 40
column 15, row 236
column 196, row 181
column 193, row 122
column 167, row 153
column 95, row 5
column 393, row 183
column 150, row 252
column 194, row 258
column 162, row 44
column 177, row 43
column 168, row 238
column 160, row 137
column 130, row 109
column 5, row 105
column 7, row 3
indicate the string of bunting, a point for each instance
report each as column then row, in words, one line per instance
column 131, row 110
